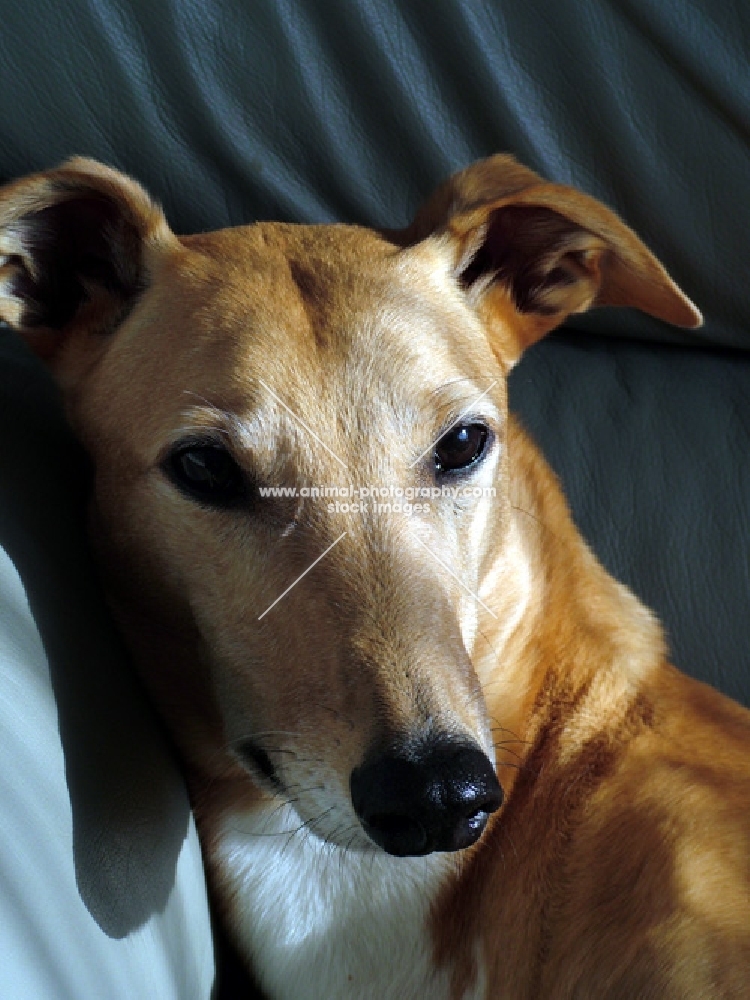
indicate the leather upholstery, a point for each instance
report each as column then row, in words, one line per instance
column 102, row 892
column 352, row 110
column 651, row 445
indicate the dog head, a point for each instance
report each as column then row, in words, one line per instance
column 323, row 638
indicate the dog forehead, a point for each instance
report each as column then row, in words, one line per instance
column 274, row 318
column 331, row 299
column 313, row 277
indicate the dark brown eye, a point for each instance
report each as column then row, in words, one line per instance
column 207, row 473
column 461, row 447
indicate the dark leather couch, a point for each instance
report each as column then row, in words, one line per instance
column 323, row 110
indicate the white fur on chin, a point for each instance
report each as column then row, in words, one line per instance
column 324, row 923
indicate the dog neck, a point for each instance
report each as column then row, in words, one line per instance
column 565, row 630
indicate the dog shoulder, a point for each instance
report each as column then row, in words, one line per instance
column 661, row 865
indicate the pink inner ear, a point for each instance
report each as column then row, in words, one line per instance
column 78, row 240
column 523, row 247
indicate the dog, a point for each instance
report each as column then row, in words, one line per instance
column 433, row 749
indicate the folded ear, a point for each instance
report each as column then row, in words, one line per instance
column 73, row 249
column 528, row 253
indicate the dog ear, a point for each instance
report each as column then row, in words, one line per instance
column 73, row 248
column 529, row 253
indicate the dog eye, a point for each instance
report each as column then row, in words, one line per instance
column 207, row 473
column 461, row 447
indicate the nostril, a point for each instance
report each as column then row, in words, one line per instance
column 468, row 830
column 490, row 800
column 403, row 834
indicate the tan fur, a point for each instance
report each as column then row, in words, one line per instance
column 619, row 864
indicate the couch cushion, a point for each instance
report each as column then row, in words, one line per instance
column 102, row 892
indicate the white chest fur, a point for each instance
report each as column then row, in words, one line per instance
column 322, row 923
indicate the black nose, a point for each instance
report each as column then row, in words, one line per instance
column 436, row 798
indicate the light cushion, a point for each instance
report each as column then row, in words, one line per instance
column 102, row 891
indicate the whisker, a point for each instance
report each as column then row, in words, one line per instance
column 262, row 733
column 508, row 763
column 497, row 728
column 490, row 644
column 197, row 395
column 463, row 378
column 512, row 844
column 542, row 524
column 202, row 428
column 335, row 712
